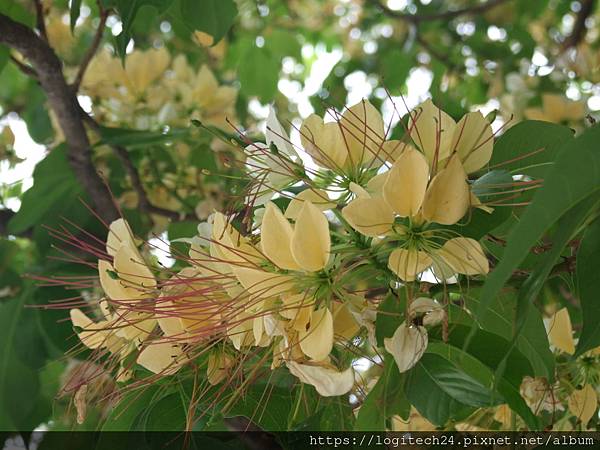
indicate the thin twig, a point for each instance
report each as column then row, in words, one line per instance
column 27, row 70
column 93, row 48
column 579, row 27
column 41, row 25
column 444, row 15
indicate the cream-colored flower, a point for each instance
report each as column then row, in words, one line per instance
column 353, row 141
column 557, row 108
column 540, row 395
column 407, row 345
column 439, row 137
column 327, row 380
column 409, row 192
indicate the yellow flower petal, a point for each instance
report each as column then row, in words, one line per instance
column 217, row 368
column 363, row 130
column 432, row 131
column 324, row 142
column 93, row 335
column 369, row 216
column 111, row 284
column 391, row 150
column 473, row 141
column 432, row 312
column 327, row 381
column 317, row 197
column 407, row 345
column 583, row 403
column 135, row 276
column 465, row 256
column 311, row 242
column 276, row 236
column 316, row 341
column 119, row 233
column 263, row 284
column 560, row 331
column 345, row 325
column 161, row 357
column 404, row 189
column 407, row 264
column 448, row 196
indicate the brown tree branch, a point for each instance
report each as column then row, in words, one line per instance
column 579, row 28
column 63, row 102
column 93, row 48
column 444, row 15
column 40, row 23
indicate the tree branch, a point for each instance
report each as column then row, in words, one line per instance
column 579, row 28
column 63, row 102
column 93, row 48
column 445, row 15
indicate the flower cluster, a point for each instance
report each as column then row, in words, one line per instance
column 295, row 279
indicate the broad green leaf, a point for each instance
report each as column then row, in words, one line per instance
column 588, row 282
column 530, row 147
column 259, row 73
column 74, row 13
column 441, row 391
column 124, row 415
column 266, row 405
column 385, row 400
column 390, row 314
column 572, row 178
column 213, row 17
column 4, row 56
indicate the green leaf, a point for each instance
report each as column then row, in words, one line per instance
column 386, row 399
column 17, row 12
column 441, row 391
column 390, row 314
column 259, row 73
column 530, row 147
column 573, row 178
column 133, row 404
column 4, row 56
column 531, row 342
column 213, row 17
column 53, row 184
column 138, row 138
column 74, row 12
column 588, row 282
column 267, row 406
column 128, row 9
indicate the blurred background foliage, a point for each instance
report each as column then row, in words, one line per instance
column 221, row 63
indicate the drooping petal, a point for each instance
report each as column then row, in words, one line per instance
column 407, row 264
column 432, row 312
column 316, row 341
column 406, row 183
column 369, row 216
column 324, row 142
column 407, row 345
column 277, row 135
column 344, row 323
column 363, row 130
column 432, row 130
column 473, row 141
column 465, row 256
column 560, row 331
column 448, row 196
column 327, row 381
column 311, row 242
column 92, row 335
column 161, row 357
column 317, row 197
column 276, row 237
column 583, row 403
